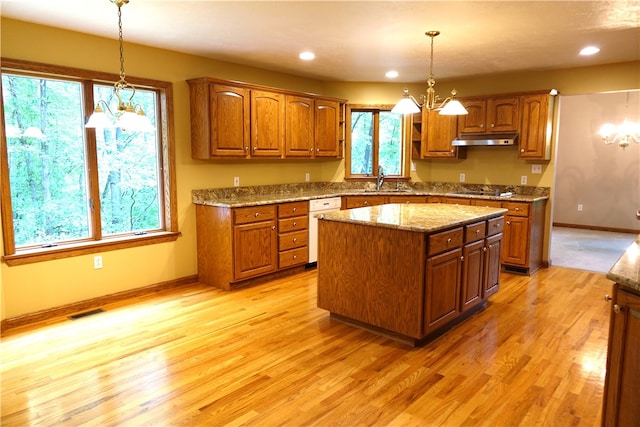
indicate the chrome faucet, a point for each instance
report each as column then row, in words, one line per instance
column 380, row 178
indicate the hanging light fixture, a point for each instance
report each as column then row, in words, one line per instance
column 622, row 134
column 127, row 116
column 450, row 106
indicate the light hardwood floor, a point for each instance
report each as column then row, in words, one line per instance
column 266, row 356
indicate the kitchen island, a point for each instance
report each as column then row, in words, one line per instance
column 410, row 270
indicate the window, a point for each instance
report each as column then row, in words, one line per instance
column 377, row 137
column 68, row 190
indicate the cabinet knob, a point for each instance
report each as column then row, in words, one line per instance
column 295, row 256
column 366, row 203
column 246, row 148
column 295, row 209
column 256, row 214
column 318, row 150
column 295, row 223
column 607, row 297
column 517, row 209
column 448, row 241
column 255, row 148
column 477, row 231
column 522, row 150
column 462, row 258
column 295, row 240
column 484, row 249
column 273, row 227
column 497, row 224
column 482, row 125
column 453, row 150
column 492, row 125
column 508, row 222
column 311, row 150
column 616, row 308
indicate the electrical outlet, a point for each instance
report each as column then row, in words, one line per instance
column 307, row 177
column 97, row 262
column 523, row 180
column 236, row 181
column 536, row 168
column 580, row 208
column 462, row 177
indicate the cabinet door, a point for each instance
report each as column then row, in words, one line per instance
column 535, row 129
column 299, row 126
column 474, row 121
column 327, row 128
column 229, row 118
column 255, row 249
column 503, row 114
column 363, row 201
column 623, row 363
column 492, row 256
column 516, row 234
column 267, row 124
column 472, row 275
column 437, row 135
column 442, row 289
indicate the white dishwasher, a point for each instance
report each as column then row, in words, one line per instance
column 316, row 207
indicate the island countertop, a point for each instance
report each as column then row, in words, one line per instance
column 414, row 217
column 626, row 271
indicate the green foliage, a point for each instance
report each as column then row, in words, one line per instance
column 389, row 143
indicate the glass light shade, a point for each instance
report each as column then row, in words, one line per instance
column 453, row 108
column 406, row 106
column 99, row 120
column 33, row 132
column 128, row 120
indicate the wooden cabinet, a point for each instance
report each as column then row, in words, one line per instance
column 238, row 120
column 351, row 202
column 442, row 290
column 237, row 245
column 621, row 386
column 536, row 129
column 293, row 234
column 407, row 199
column 432, row 134
column 490, row 115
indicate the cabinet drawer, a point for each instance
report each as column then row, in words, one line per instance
column 254, row 214
column 293, row 257
column 287, row 210
column 363, row 201
column 517, row 209
column 293, row 224
column 487, row 203
column 476, row 231
column 457, row 201
column 495, row 226
column 292, row 240
column 445, row 240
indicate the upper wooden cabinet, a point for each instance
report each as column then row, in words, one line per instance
column 231, row 119
column 536, row 129
column 490, row 115
column 432, row 134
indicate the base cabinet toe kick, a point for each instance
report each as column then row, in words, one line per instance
column 412, row 271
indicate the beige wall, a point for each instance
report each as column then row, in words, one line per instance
column 34, row 287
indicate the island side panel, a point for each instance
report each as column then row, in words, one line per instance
column 371, row 274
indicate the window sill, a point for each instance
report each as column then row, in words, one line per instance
column 83, row 248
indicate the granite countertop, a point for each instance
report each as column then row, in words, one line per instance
column 626, row 271
column 234, row 197
column 424, row 218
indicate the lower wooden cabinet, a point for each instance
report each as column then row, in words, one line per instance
column 239, row 244
column 442, row 289
column 621, row 386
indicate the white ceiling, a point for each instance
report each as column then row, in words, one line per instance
column 361, row 40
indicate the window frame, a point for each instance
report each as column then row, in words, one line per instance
column 96, row 242
column 406, row 144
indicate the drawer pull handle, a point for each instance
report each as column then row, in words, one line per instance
column 508, row 222
column 295, row 209
column 616, row 308
column 295, row 256
column 366, row 203
column 273, row 227
column 517, row 209
column 256, row 214
column 497, row 225
column 477, row 231
column 448, row 241
column 295, row 240
column 295, row 223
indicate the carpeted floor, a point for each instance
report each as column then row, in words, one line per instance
column 589, row 250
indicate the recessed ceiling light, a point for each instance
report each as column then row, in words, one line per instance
column 392, row 74
column 589, row 50
column 307, row 56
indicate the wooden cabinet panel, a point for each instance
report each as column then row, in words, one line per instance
column 292, row 240
column 487, row 203
column 536, row 127
column 495, row 226
column 516, row 208
column 293, row 224
column 456, row 200
column 299, row 126
column 255, row 249
column 516, row 240
column 442, row 289
column 472, row 282
column 267, row 123
column 327, row 128
column 622, row 388
column 229, row 118
column 437, row 133
column 293, row 257
column 490, row 115
column 351, row 202
column 254, row 214
column 492, row 261
column 475, row 231
column 288, row 210
column 407, row 199
column 444, row 240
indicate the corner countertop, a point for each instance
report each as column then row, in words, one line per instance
column 234, row 197
column 425, row 218
column 626, row 271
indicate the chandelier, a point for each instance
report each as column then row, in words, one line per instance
column 127, row 115
column 449, row 106
column 622, row 134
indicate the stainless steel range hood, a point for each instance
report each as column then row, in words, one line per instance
column 485, row 139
